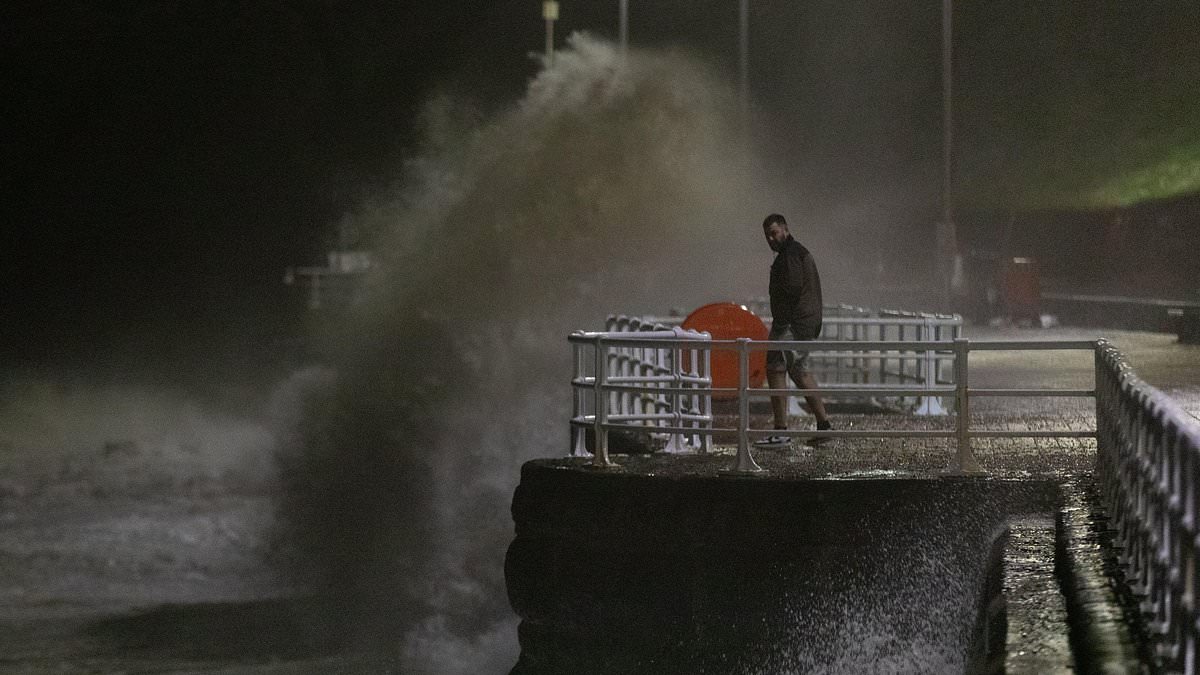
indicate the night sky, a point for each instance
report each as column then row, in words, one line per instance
column 164, row 161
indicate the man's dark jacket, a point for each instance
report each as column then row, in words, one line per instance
column 796, row 290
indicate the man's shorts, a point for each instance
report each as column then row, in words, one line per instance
column 792, row 361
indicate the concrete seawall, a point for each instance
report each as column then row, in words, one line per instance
column 616, row 572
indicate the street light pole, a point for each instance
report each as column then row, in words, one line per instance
column 550, row 14
column 744, row 57
column 947, row 237
column 623, row 26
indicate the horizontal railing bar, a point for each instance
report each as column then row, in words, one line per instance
column 941, row 322
column 650, row 417
column 888, row 321
column 633, row 389
column 590, row 381
column 1000, row 433
column 879, row 356
column 831, row 390
column 673, row 335
column 799, row 433
column 661, row 344
column 623, row 379
column 700, row 344
column 868, row 387
column 1032, row 392
column 840, row 346
column 856, row 433
column 1024, row 345
column 589, row 422
column 839, row 387
column 845, row 388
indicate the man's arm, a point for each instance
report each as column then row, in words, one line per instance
column 800, row 268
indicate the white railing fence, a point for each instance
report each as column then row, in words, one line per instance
column 674, row 377
column 844, row 369
column 1148, row 469
column 1148, row 447
column 923, row 368
column 650, row 380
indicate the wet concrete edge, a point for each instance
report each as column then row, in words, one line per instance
column 1035, row 614
column 1107, row 634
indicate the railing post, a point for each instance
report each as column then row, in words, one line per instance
column 1188, row 562
column 625, row 366
column 881, row 335
column 578, row 441
column 705, row 364
column 930, row 405
column 675, row 442
column 964, row 459
column 744, row 464
column 613, row 365
column 1100, row 385
column 600, row 437
column 857, row 362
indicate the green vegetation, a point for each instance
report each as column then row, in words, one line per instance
column 1105, row 173
column 1177, row 172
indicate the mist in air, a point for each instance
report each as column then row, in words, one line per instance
column 377, row 476
column 615, row 185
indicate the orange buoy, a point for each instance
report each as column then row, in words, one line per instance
column 729, row 321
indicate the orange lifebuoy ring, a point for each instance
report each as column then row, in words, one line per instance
column 728, row 321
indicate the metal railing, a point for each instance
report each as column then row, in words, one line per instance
column 925, row 368
column 1147, row 460
column 846, row 370
column 601, row 395
column 659, row 366
column 1148, row 469
column 649, row 381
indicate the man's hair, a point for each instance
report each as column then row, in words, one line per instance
column 774, row 218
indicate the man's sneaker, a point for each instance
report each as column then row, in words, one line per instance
column 773, row 442
column 820, row 440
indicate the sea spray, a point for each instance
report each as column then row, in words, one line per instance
column 616, row 184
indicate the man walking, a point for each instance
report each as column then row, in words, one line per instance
column 796, row 310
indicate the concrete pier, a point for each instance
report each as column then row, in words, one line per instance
column 856, row 556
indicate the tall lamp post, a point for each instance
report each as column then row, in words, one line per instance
column 948, row 262
column 744, row 57
column 623, row 25
column 550, row 14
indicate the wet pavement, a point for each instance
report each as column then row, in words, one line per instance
column 1158, row 358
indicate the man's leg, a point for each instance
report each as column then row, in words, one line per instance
column 805, row 380
column 779, row 363
column 815, row 405
column 798, row 368
column 778, row 380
